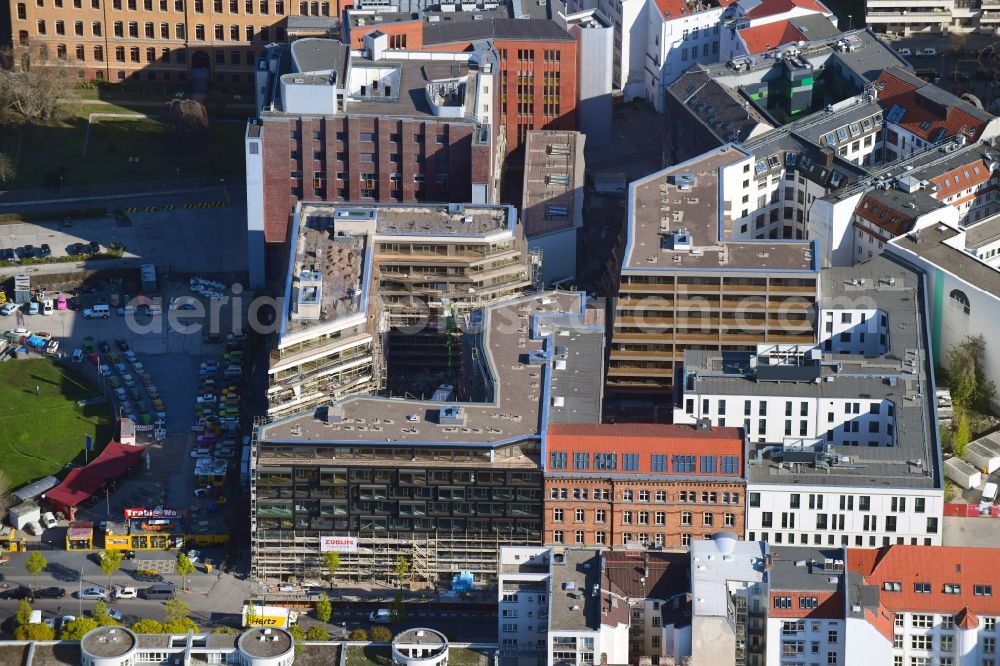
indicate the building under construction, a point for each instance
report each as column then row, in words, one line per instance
column 440, row 483
column 387, row 287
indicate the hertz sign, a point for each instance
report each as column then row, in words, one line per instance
column 267, row 621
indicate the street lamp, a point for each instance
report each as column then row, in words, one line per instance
column 850, row 22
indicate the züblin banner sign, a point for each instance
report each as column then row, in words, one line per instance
column 338, row 544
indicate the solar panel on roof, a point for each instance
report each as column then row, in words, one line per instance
column 896, row 114
column 939, row 134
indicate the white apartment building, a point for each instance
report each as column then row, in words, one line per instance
column 929, row 606
column 962, row 267
column 754, row 15
column 846, row 432
column 553, row 608
column 680, row 35
column 729, row 601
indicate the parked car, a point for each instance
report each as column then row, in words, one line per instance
column 927, row 52
column 19, row 592
column 77, row 355
column 66, row 619
column 104, row 346
column 93, row 594
column 50, row 593
column 126, row 593
column 122, row 345
column 8, row 308
column 48, row 520
column 906, row 53
column 27, row 252
column 45, row 250
column 380, row 616
column 115, row 614
column 94, row 247
column 7, row 254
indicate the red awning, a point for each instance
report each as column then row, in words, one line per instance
column 82, row 482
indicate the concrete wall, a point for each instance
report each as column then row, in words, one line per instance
column 595, row 58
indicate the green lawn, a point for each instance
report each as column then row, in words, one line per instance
column 55, row 149
column 369, row 655
column 39, row 434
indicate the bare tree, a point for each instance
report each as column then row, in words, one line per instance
column 188, row 117
column 30, row 83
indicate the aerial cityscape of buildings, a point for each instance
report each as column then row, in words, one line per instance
column 708, row 408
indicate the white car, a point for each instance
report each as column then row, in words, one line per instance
column 126, row 593
column 927, row 52
column 380, row 616
column 66, row 619
column 906, row 53
column 8, row 309
column 130, row 355
column 48, row 520
column 193, row 555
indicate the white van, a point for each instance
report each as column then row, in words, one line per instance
column 36, row 617
column 97, row 312
column 989, row 493
column 47, row 308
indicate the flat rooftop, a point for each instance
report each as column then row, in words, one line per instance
column 262, row 642
column 572, row 606
column 902, row 376
column 722, row 563
column 324, row 62
column 326, row 255
column 419, row 636
column 936, row 245
column 860, row 51
column 686, row 197
column 513, row 331
column 429, row 220
column 108, row 642
column 553, row 182
column 807, row 569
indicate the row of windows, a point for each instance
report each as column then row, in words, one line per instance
column 679, row 464
column 149, row 31
column 163, row 56
column 644, row 517
column 601, row 538
column 816, row 501
column 684, row 496
column 831, row 539
column 262, row 7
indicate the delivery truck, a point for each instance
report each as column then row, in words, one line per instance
column 269, row 616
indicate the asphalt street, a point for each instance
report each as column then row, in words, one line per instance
column 215, row 599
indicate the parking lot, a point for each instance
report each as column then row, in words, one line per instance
column 172, row 351
column 181, row 240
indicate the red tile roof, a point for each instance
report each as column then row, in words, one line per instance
column 646, row 440
column 925, row 117
column 937, row 566
column 772, row 7
column 762, row 38
column 962, row 178
column 885, row 217
column 966, row 619
column 673, row 8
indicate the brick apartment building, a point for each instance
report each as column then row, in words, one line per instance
column 538, row 59
column 662, row 485
column 163, row 41
column 313, row 141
